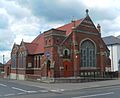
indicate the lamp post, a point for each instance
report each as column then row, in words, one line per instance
column 3, row 59
column 118, row 67
column 75, row 68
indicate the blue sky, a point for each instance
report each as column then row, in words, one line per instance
column 25, row 19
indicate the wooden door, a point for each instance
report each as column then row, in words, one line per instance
column 67, row 69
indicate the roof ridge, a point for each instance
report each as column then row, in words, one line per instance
column 69, row 23
column 37, row 37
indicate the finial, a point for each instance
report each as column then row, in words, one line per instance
column 99, row 28
column 87, row 12
column 73, row 21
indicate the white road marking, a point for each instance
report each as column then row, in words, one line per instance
column 43, row 91
column 9, row 95
column 87, row 96
column 31, row 91
column 57, row 90
column 20, row 93
column 19, row 89
column 3, row 85
column 53, row 90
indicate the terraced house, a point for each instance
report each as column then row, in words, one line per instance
column 75, row 49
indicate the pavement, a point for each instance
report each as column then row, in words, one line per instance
column 69, row 86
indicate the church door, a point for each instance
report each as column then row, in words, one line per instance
column 67, row 69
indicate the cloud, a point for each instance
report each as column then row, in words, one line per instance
column 110, row 27
column 14, row 9
column 55, row 11
column 62, row 10
column 6, row 39
column 3, row 22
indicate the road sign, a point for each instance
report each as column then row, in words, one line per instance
column 47, row 54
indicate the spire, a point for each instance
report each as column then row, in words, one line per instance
column 87, row 11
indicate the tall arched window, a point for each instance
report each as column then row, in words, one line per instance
column 87, row 54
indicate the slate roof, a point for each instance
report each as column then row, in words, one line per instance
column 111, row 40
column 118, row 36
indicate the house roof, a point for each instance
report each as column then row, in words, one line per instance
column 111, row 40
column 118, row 36
column 68, row 27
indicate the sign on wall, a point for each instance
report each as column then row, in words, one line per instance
column 29, row 64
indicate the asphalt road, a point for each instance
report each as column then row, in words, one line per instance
column 16, row 90
column 11, row 89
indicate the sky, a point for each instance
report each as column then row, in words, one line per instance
column 25, row 19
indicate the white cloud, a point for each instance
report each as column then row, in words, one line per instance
column 110, row 27
column 101, row 4
column 26, row 26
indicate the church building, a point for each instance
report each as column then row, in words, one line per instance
column 75, row 49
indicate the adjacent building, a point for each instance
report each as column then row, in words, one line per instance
column 113, row 44
column 75, row 49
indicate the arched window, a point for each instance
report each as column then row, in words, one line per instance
column 87, row 54
column 66, row 53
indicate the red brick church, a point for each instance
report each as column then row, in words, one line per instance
column 75, row 49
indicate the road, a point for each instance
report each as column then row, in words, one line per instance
column 10, row 89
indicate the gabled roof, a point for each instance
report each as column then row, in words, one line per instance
column 111, row 40
column 30, row 47
column 68, row 27
column 15, row 45
column 39, row 40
